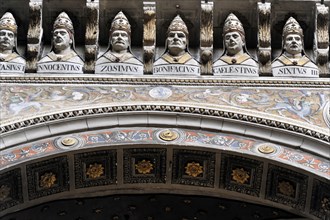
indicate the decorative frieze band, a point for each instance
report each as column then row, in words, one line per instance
column 165, row 108
column 150, row 80
column 176, row 59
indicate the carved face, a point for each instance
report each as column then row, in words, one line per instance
column 119, row 41
column 293, row 44
column 7, row 40
column 234, row 43
column 177, row 42
column 61, row 39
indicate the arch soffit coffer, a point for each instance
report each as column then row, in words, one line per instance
column 202, row 158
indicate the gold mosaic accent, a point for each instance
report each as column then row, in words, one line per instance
column 286, row 188
column 266, row 149
column 168, row 135
column 94, row 171
column 69, row 141
column 194, row 169
column 240, row 175
column 4, row 192
column 144, row 167
column 47, row 180
column 325, row 204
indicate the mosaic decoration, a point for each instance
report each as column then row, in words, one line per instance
column 293, row 157
column 47, row 177
column 266, row 149
column 168, row 135
column 25, row 152
column 320, row 206
column 145, row 165
column 193, row 168
column 172, row 135
column 301, row 106
column 68, row 142
column 11, row 193
column 244, row 175
column 95, row 168
column 160, row 92
column 286, row 187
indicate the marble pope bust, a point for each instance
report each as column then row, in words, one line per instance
column 62, row 58
column 119, row 59
column 176, row 58
column 10, row 60
column 293, row 62
column 235, row 61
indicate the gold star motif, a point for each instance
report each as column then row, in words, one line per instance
column 47, row 180
column 95, row 171
column 194, row 169
column 144, row 167
column 240, row 175
column 286, row 188
column 325, row 204
column 4, row 192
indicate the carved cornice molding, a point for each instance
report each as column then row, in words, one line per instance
column 164, row 108
column 168, row 80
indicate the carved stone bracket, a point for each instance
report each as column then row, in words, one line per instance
column 321, row 39
column 34, row 35
column 264, row 39
column 206, row 39
column 149, row 35
column 92, row 35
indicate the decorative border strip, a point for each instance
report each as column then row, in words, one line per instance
column 165, row 108
column 167, row 80
column 186, row 139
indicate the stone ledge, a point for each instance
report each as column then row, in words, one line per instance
column 165, row 80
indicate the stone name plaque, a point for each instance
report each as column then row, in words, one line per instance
column 119, row 68
column 8, row 67
column 59, row 67
column 235, row 70
column 176, row 69
column 295, row 71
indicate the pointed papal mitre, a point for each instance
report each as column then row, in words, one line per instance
column 178, row 24
column 8, row 22
column 120, row 22
column 232, row 23
column 292, row 27
column 63, row 21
